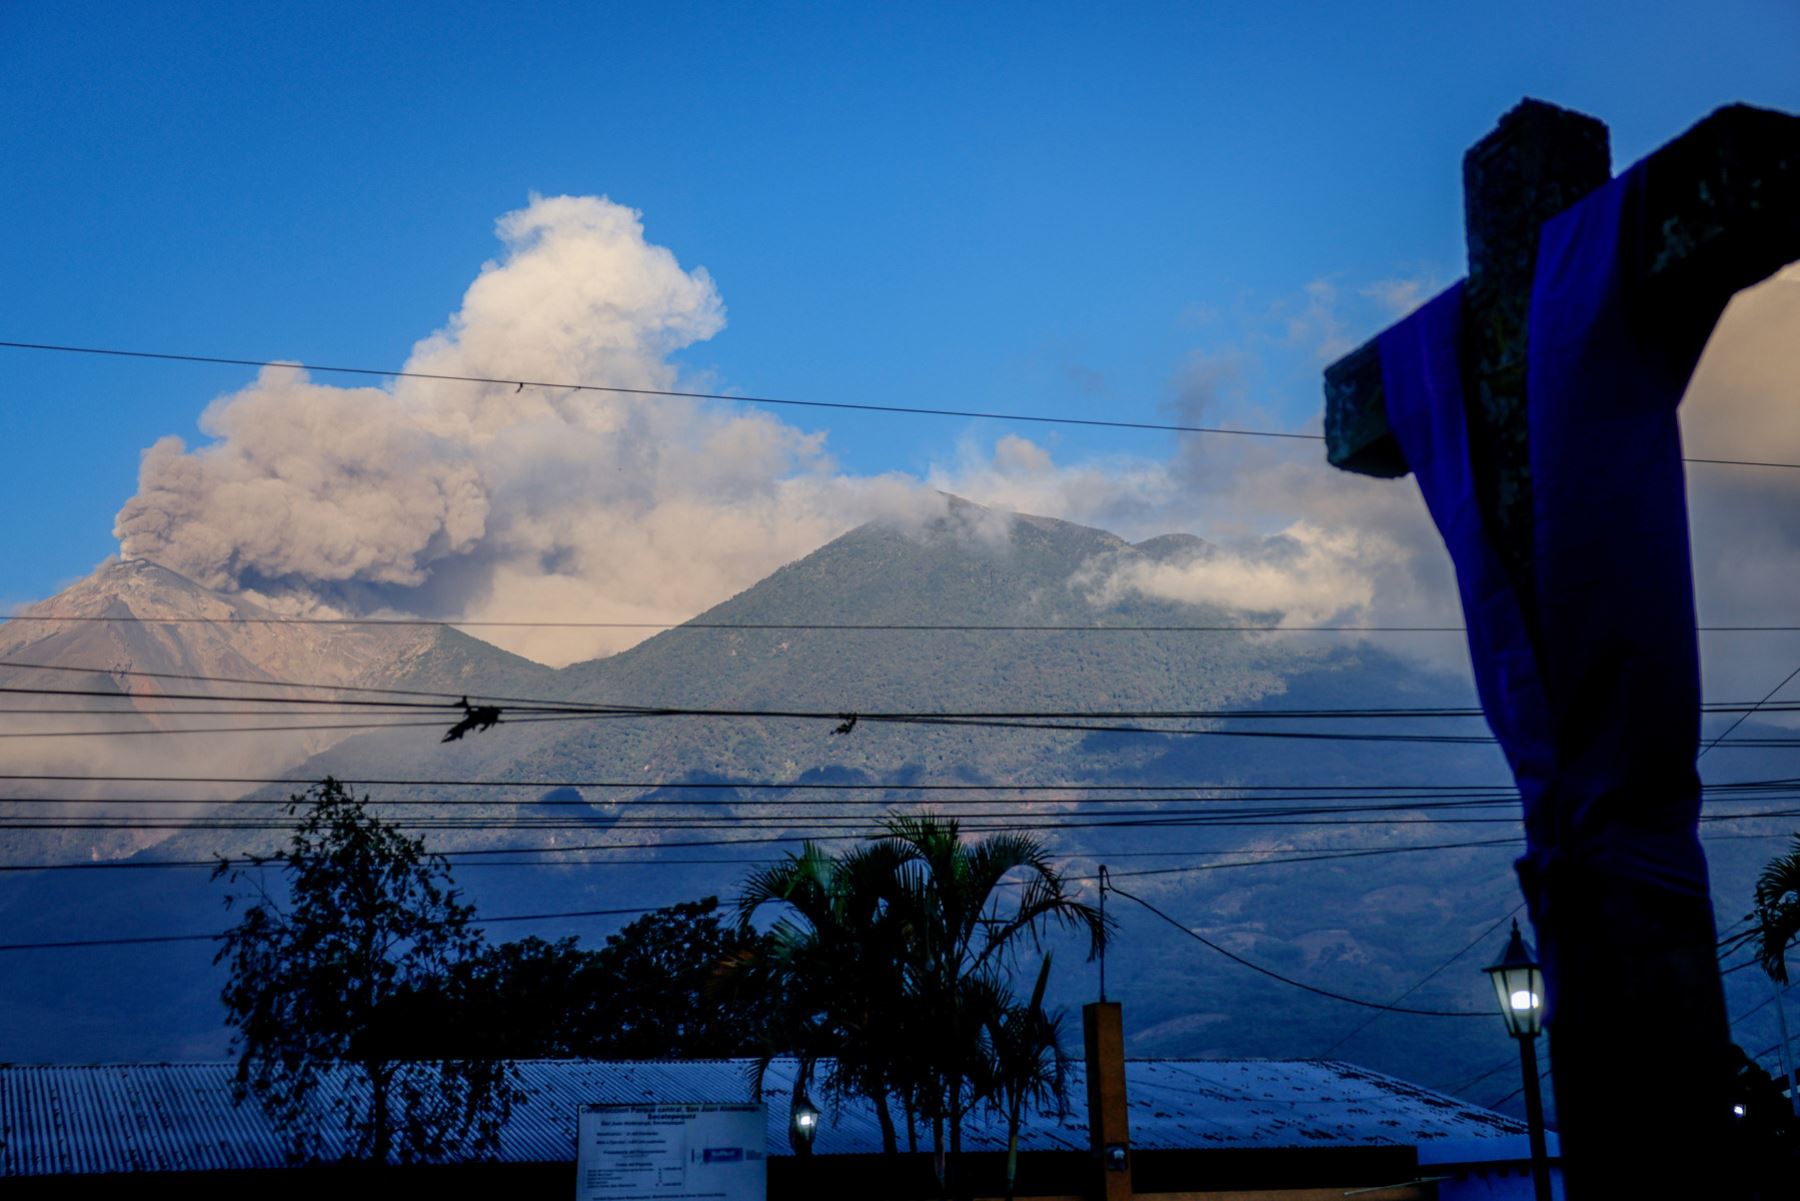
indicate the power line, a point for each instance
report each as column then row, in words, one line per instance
column 666, row 393
column 1424, row 980
column 1266, row 803
column 662, row 393
column 219, row 935
column 840, row 718
column 166, row 938
column 1142, row 819
column 801, row 626
column 817, row 785
column 781, row 626
column 557, row 707
column 561, row 707
column 1289, row 980
column 1509, row 1060
column 1781, row 782
column 1752, row 709
column 1073, row 721
column 1262, row 858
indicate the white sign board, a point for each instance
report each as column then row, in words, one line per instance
column 671, row 1152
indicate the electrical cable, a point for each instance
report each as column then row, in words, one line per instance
column 1425, row 979
column 520, row 383
column 1272, row 974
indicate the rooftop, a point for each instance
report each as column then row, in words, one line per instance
column 172, row 1117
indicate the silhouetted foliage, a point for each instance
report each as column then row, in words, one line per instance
column 652, row 992
column 1022, row 1064
column 317, row 978
column 1778, row 911
column 894, row 959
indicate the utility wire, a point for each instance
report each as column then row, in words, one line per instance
column 800, row 626
column 561, row 708
column 1746, row 715
column 1289, row 980
column 664, row 393
column 1427, row 978
column 1143, row 819
column 219, row 935
column 844, row 721
column 270, row 861
column 445, row 701
column 1260, row 859
column 1462, row 789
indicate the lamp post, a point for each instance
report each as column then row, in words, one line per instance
column 803, row 1124
column 1519, row 984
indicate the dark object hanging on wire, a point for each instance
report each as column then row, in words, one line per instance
column 847, row 724
column 475, row 717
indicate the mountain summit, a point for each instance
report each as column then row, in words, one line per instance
column 135, row 668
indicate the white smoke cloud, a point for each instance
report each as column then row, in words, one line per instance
column 477, row 501
column 494, row 502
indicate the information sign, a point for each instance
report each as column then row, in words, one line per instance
column 671, row 1152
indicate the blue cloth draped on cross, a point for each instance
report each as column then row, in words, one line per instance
column 1589, row 669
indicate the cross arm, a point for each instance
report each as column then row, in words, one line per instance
column 1722, row 212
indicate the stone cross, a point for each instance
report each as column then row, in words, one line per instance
column 1546, row 564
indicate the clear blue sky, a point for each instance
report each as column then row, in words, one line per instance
column 1001, row 206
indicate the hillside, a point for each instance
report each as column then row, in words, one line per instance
column 149, row 629
column 1372, row 926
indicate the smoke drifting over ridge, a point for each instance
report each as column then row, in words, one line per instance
column 475, row 502
column 468, row 501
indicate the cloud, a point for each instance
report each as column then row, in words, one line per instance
column 478, row 500
column 1304, row 575
column 1744, row 403
column 494, row 502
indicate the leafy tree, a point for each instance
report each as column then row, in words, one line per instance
column 316, row 984
column 527, row 999
column 652, row 992
column 664, row 995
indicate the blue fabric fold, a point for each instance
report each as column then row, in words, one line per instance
column 1589, row 670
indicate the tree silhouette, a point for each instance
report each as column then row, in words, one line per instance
column 1778, row 911
column 1023, row 1063
column 835, row 965
column 318, row 974
column 893, row 958
column 962, row 933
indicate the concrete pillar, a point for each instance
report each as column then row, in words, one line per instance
column 1103, row 1036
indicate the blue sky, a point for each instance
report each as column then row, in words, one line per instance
column 1037, row 207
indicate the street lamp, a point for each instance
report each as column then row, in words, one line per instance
column 1519, row 985
column 803, row 1124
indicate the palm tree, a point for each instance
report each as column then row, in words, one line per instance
column 835, row 962
column 1778, row 911
column 963, row 929
column 891, row 962
column 1023, row 1064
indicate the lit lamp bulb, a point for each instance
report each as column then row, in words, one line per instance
column 1519, row 987
column 803, row 1125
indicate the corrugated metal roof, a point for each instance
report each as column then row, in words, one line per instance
column 180, row 1116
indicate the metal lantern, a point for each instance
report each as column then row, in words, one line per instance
column 1519, row 985
column 803, row 1124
